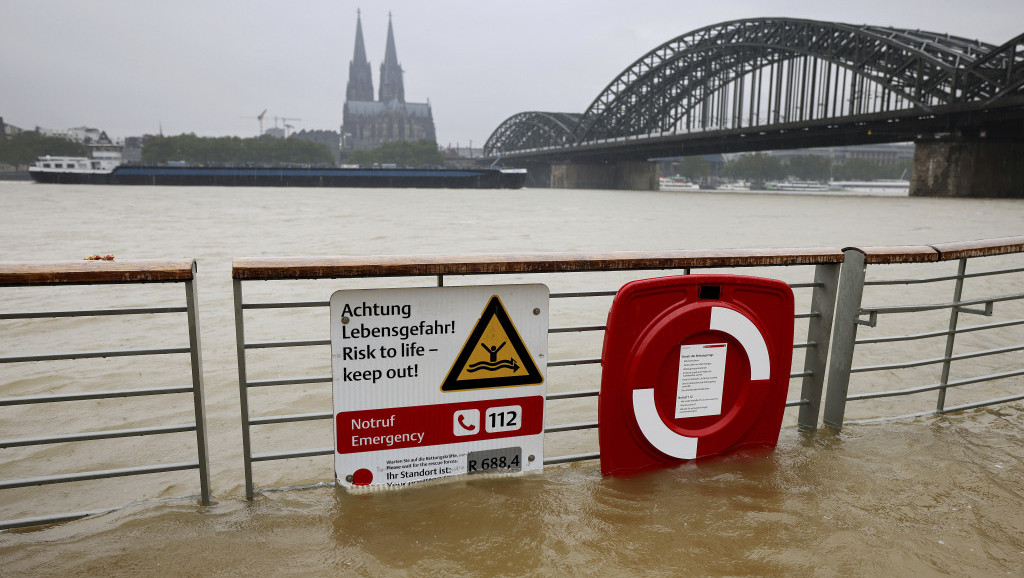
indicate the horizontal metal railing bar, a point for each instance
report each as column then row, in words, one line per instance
column 23, row 273
column 800, row 374
column 935, row 386
column 268, row 268
column 897, row 392
column 289, row 381
column 286, row 305
column 804, row 345
column 940, row 333
column 984, row 403
column 571, row 427
column 571, row 458
column 990, row 326
column 920, row 362
column 95, row 354
column 797, row 402
column 881, row 282
column 92, row 312
column 812, row 314
column 96, row 475
column 936, row 306
column 577, row 328
column 97, row 435
column 109, row 394
column 300, row 343
column 581, row 361
column 296, row 417
column 288, row 455
column 51, row 519
column 583, row 294
column 564, row 295
column 871, row 420
column 573, row 394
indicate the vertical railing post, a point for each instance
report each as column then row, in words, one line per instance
column 819, row 329
column 243, row 389
column 954, row 316
column 198, row 396
column 844, row 336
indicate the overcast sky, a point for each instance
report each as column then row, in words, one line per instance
column 210, row 66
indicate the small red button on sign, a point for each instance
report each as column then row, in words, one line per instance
column 362, row 477
column 693, row 366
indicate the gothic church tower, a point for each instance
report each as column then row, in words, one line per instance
column 360, row 79
column 368, row 123
column 391, row 87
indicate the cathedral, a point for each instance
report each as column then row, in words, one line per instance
column 369, row 123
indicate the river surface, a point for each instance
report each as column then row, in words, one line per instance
column 928, row 496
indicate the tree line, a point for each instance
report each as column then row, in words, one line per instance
column 22, row 149
column 420, row 153
column 764, row 167
column 232, row 150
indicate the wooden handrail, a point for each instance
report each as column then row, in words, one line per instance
column 898, row 254
column 269, row 268
column 14, row 273
column 941, row 251
column 981, row 248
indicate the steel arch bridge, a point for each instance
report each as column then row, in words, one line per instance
column 770, row 72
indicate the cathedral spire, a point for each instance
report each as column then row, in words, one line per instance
column 360, row 75
column 391, row 86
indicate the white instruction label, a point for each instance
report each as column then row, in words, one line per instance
column 701, row 379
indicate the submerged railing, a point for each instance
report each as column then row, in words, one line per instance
column 924, row 292
column 78, row 273
column 851, row 315
column 440, row 269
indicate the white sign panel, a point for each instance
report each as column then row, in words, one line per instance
column 438, row 381
column 701, row 378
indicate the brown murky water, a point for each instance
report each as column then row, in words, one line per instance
column 933, row 495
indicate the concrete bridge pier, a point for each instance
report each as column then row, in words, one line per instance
column 962, row 166
column 622, row 175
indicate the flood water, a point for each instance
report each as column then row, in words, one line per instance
column 930, row 495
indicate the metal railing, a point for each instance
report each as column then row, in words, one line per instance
column 851, row 315
column 55, row 274
column 830, row 305
column 825, row 261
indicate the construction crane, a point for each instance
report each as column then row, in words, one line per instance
column 287, row 126
column 260, row 119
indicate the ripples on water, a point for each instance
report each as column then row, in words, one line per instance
column 926, row 496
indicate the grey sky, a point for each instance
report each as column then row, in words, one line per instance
column 130, row 66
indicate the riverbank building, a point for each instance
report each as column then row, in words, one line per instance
column 368, row 123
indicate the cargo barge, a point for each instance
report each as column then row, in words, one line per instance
column 82, row 170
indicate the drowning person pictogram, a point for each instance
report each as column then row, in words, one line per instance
column 493, row 364
column 494, row 355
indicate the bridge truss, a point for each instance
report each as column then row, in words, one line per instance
column 772, row 72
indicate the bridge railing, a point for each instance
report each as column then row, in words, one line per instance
column 581, row 284
column 45, row 391
column 981, row 362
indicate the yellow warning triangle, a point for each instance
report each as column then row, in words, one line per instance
column 494, row 355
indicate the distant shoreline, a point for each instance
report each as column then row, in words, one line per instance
column 15, row 176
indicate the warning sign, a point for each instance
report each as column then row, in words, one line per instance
column 493, row 356
column 439, row 381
